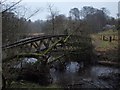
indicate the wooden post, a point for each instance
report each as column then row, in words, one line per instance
column 110, row 39
column 103, row 37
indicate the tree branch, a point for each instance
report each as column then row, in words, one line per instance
column 33, row 14
column 11, row 6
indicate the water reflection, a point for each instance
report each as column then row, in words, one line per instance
column 75, row 72
column 30, row 60
column 100, row 70
column 66, row 77
column 24, row 62
column 72, row 67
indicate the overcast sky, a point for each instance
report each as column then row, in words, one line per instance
column 64, row 6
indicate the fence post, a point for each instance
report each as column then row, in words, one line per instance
column 110, row 39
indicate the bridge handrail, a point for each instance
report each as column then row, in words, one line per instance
column 32, row 39
column 22, row 42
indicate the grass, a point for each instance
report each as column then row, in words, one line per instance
column 110, row 32
column 107, row 50
column 104, row 45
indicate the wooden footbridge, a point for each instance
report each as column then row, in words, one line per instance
column 42, row 46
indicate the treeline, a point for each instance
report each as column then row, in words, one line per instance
column 84, row 21
column 87, row 20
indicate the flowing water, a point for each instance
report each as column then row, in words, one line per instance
column 76, row 75
column 92, row 76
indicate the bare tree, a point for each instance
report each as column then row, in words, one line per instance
column 14, row 25
column 53, row 15
column 11, row 7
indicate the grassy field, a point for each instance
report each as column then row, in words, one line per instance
column 106, row 50
column 109, row 32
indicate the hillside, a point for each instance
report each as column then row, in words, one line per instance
column 106, row 50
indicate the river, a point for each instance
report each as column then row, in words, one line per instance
column 76, row 75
